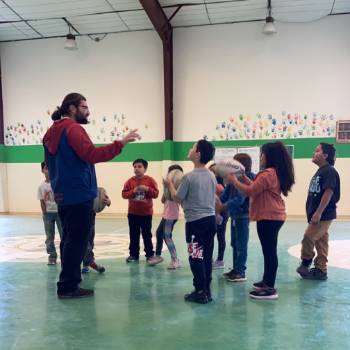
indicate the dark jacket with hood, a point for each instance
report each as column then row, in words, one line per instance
column 70, row 156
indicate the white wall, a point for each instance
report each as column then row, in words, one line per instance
column 225, row 70
column 121, row 75
column 220, row 71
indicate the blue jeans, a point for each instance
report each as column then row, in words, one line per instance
column 239, row 244
column 49, row 224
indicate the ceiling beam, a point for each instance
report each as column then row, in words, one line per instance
column 163, row 27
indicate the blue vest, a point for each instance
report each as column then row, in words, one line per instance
column 73, row 180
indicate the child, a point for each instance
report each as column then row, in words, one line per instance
column 237, row 205
column 197, row 195
column 324, row 193
column 166, row 226
column 267, row 208
column 89, row 258
column 140, row 190
column 50, row 215
column 221, row 221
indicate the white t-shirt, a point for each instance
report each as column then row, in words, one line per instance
column 45, row 193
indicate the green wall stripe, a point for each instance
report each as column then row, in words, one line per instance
column 170, row 150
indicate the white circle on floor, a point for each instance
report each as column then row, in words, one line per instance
column 338, row 253
column 31, row 248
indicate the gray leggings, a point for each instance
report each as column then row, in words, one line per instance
column 164, row 232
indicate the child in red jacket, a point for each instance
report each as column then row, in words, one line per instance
column 140, row 190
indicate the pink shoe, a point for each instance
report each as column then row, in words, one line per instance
column 174, row 264
column 154, row 260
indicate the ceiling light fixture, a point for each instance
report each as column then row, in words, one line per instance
column 70, row 43
column 269, row 27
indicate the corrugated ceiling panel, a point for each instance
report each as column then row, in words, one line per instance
column 56, row 8
column 17, row 31
column 191, row 15
column 123, row 5
column 136, row 20
column 98, row 23
column 341, row 6
column 55, row 27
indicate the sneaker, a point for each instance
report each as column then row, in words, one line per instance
column 303, row 270
column 259, row 285
column 78, row 293
column 154, row 260
column 85, row 269
column 264, row 294
column 132, row 259
column 316, row 274
column 52, row 260
column 199, row 297
column 236, row 277
column 174, row 264
column 231, row 272
column 218, row 264
column 98, row 268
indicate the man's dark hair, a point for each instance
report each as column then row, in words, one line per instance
column 142, row 161
column 278, row 157
column 71, row 99
column 328, row 149
column 174, row 167
column 206, row 149
column 245, row 160
column 43, row 164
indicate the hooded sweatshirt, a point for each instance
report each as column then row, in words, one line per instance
column 70, row 156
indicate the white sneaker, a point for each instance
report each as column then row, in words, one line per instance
column 174, row 264
column 154, row 260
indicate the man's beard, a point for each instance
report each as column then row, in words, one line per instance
column 81, row 119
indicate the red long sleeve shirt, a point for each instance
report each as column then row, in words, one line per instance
column 140, row 203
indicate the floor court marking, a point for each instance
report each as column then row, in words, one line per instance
column 338, row 255
column 31, row 248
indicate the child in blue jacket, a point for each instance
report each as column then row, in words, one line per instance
column 237, row 206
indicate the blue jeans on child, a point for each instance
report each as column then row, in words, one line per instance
column 50, row 219
column 239, row 244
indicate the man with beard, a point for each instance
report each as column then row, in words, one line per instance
column 70, row 156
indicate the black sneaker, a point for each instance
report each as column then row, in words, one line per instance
column 303, row 270
column 236, row 277
column 264, row 294
column 226, row 274
column 316, row 274
column 199, row 297
column 78, row 293
column 259, row 285
column 132, row 259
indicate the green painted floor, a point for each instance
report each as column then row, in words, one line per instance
column 142, row 307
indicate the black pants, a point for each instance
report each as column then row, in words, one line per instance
column 221, row 232
column 77, row 221
column 140, row 224
column 89, row 256
column 268, row 236
column 200, row 241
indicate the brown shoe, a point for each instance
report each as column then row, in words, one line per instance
column 78, row 293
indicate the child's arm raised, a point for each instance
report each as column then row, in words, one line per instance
column 261, row 183
column 178, row 195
